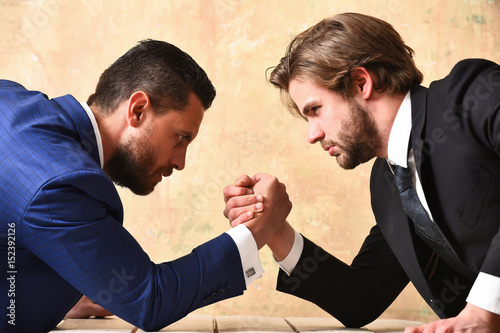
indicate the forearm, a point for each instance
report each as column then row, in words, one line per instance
column 355, row 294
column 330, row 284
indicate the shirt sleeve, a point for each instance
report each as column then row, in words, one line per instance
column 288, row 264
column 485, row 293
column 249, row 254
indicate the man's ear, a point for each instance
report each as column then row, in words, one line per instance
column 363, row 82
column 138, row 104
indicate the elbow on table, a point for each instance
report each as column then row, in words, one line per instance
column 356, row 322
column 156, row 323
column 355, row 314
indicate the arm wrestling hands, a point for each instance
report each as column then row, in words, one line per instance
column 241, row 208
column 245, row 204
column 239, row 195
column 245, row 201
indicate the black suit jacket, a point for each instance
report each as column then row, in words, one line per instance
column 456, row 143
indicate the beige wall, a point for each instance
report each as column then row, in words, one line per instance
column 61, row 46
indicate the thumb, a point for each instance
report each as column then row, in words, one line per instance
column 244, row 181
column 258, row 177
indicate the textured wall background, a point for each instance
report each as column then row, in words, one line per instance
column 62, row 46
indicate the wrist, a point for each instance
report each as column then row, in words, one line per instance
column 281, row 241
column 484, row 316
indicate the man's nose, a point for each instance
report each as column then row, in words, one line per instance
column 315, row 133
column 179, row 160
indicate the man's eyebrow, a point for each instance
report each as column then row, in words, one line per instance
column 307, row 107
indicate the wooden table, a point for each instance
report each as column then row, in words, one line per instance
column 232, row 324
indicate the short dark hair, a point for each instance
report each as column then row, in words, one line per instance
column 163, row 71
column 329, row 51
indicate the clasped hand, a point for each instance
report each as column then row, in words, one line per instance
column 245, row 201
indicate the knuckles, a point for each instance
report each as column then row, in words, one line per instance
column 274, row 192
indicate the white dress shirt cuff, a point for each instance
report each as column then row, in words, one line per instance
column 485, row 293
column 288, row 264
column 249, row 254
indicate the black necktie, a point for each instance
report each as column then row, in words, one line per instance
column 427, row 230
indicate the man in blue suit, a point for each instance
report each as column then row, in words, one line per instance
column 61, row 216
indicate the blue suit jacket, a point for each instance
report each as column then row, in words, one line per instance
column 62, row 235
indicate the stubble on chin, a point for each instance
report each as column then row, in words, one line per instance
column 360, row 138
column 129, row 167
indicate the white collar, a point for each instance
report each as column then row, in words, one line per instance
column 91, row 116
column 397, row 149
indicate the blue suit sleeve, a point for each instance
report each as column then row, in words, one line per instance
column 74, row 225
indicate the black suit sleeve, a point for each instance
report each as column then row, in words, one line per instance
column 478, row 112
column 355, row 294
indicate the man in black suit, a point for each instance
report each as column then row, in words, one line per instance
column 355, row 82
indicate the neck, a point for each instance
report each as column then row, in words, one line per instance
column 385, row 108
column 107, row 131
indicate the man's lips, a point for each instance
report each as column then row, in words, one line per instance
column 330, row 150
column 165, row 173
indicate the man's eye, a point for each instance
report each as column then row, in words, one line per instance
column 181, row 137
column 315, row 108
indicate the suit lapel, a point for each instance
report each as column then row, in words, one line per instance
column 82, row 122
column 418, row 107
column 395, row 225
